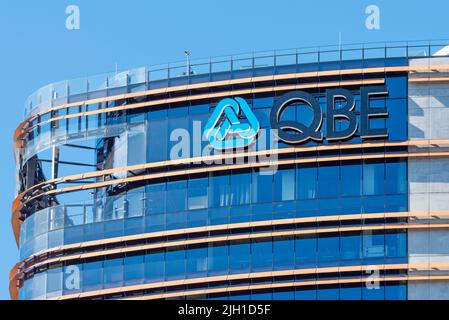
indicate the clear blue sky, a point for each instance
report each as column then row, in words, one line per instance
column 36, row 48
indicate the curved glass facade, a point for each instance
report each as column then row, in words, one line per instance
column 208, row 260
column 231, row 197
column 120, row 190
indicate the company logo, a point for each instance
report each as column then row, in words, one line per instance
column 234, row 125
column 292, row 131
column 231, row 125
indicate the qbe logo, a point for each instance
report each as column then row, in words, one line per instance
column 231, row 125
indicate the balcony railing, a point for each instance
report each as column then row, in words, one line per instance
column 138, row 79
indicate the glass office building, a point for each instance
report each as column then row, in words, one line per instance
column 120, row 196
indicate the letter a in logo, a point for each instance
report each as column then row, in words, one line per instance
column 227, row 127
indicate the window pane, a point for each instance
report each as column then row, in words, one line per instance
column 350, row 293
column 93, row 275
column 240, row 188
column 351, row 247
column 196, row 262
column 328, row 175
column 113, row 272
column 306, row 181
column 157, row 140
column 373, row 245
column 219, row 191
column 373, row 178
column 284, row 181
column 328, row 249
column 306, row 251
column 218, row 259
column 351, row 178
column 239, row 258
column 136, row 145
column 175, row 264
column 328, row 293
column 134, row 269
column 262, row 255
column 396, row 176
column 262, row 185
column 197, row 193
column 155, row 266
column 284, row 254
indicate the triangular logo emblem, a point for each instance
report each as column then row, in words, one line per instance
column 227, row 127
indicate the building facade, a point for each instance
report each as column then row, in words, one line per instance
column 300, row 174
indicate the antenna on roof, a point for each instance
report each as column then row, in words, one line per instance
column 187, row 53
column 339, row 41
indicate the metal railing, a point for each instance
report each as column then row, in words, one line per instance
column 58, row 92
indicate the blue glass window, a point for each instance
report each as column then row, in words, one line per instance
column 263, row 115
column 284, row 295
column 306, row 182
column 303, row 294
column 263, row 102
column 262, row 255
column 373, row 246
column 240, row 188
column 113, row 272
column 197, row 193
column 240, row 214
column 157, row 140
column 262, row 296
column 397, row 119
column 396, row 292
column 176, row 220
column 396, row 176
column 328, row 179
column 306, row 252
column 328, row 249
column 262, row 187
column 197, row 262
column 175, row 264
column 134, row 269
column 284, row 181
column 284, row 254
column 155, row 266
column 373, row 292
column 136, row 145
column 324, row 293
column 239, row 258
column 397, row 87
column 351, row 178
column 176, row 196
column 93, row 275
column 217, row 259
column 39, row 285
column 396, row 244
column 155, row 195
column 351, row 248
column 350, row 293
column 373, row 178
column 54, row 282
column 219, row 191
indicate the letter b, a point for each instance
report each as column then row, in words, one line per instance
column 345, row 113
